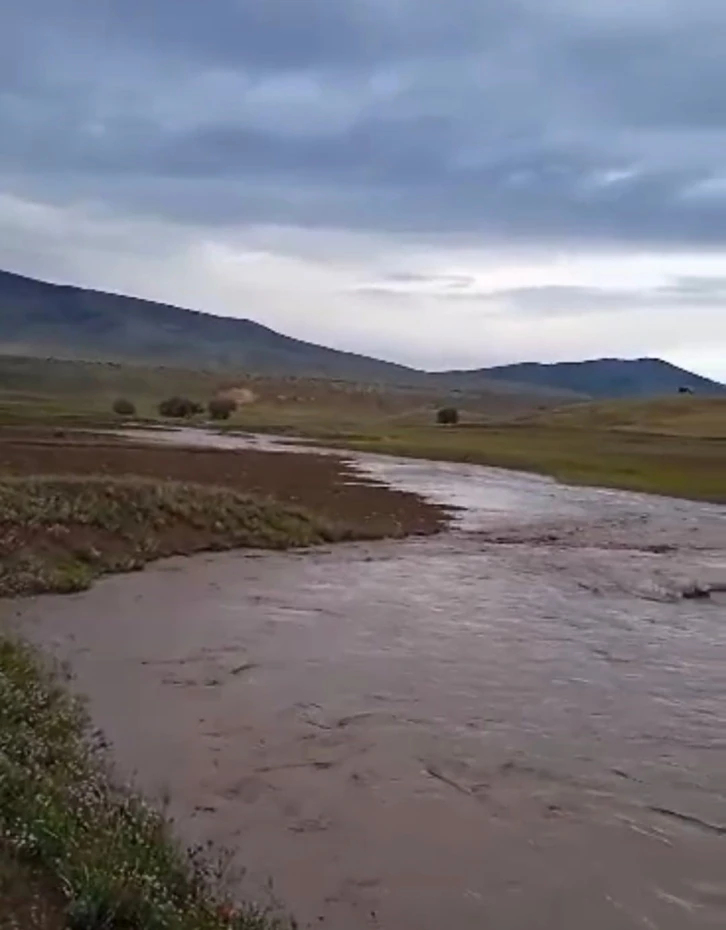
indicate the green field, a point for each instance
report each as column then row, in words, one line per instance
column 674, row 445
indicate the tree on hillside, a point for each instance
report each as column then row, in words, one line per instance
column 179, row 407
column 124, row 408
column 221, row 408
column 447, row 416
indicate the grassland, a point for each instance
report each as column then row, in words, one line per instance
column 674, row 445
column 42, row 391
column 78, row 852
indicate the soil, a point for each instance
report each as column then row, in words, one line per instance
column 28, row 900
column 327, row 485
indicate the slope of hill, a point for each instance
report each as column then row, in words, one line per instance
column 609, row 377
column 38, row 318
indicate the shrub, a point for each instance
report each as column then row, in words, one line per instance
column 221, row 408
column 179, row 407
column 448, row 416
column 124, row 408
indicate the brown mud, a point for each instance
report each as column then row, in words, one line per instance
column 325, row 485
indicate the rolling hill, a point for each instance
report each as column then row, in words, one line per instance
column 599, row 378
column 71, row 322
column 39, row 318
column 610, row 377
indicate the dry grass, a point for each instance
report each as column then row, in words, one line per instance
column 60, row 533
column 77, row 851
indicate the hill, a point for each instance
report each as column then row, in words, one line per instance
column 39, row 318
column 609, row 377
column 71, row 322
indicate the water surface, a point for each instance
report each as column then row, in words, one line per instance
column 518, row 724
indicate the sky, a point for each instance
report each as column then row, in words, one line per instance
column 444, row 184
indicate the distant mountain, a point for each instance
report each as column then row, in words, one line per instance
column 609, row 377
column 41, row 318
column 38, row 318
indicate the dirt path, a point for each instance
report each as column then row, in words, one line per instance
column 516, row 725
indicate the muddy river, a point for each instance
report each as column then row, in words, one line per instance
column 518, row 724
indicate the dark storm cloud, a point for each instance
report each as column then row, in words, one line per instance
column 532, row 120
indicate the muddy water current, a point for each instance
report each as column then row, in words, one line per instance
column 518, row 724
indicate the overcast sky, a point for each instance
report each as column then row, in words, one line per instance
column 458, row 183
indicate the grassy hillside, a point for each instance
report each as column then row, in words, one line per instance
column 77, row 323
column 45, row 390
column 38, row 318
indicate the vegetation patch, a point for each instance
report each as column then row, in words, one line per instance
column 324, row 485
column 60, row 533
column 76, row 850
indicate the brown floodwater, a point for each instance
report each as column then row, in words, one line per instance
column 518, row 724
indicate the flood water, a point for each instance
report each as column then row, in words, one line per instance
column 518, row 724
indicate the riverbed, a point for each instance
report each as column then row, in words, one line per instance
column 516, row 724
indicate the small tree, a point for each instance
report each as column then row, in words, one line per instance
column 221, row 408
column 179, row 407
column 448, row 416
column 123, row 407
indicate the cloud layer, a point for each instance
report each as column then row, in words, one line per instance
column 474, row 131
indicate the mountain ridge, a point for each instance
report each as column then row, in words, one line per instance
column 603, row 377
column 39, row 317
